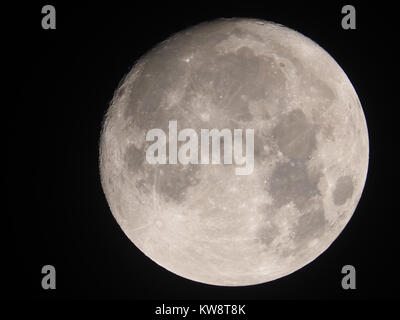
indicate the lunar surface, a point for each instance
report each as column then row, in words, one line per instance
column 204, row 222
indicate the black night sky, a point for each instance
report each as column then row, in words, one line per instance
column 62, row 82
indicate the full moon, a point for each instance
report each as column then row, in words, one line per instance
column 202, row 221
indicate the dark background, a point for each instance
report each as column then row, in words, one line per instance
column 61, row 84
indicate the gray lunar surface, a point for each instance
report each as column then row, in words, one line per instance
column 203, row 222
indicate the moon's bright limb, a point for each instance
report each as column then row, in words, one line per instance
column 203, row 222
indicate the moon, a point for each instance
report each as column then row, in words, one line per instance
column 203, row 222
